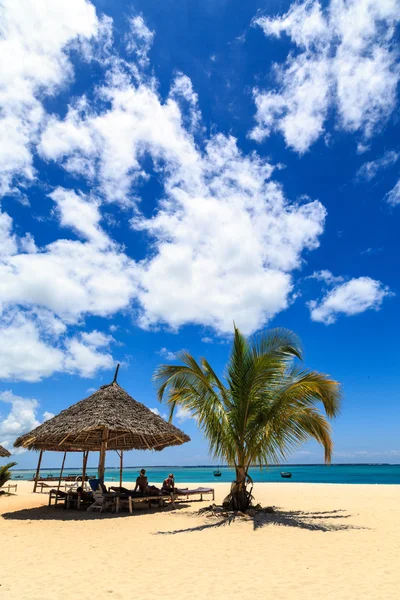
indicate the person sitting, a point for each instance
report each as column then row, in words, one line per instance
column 168, row 485
column 85, row 496
column 144, row 488
column 142, row 483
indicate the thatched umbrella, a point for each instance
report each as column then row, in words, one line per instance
column 4, row 451
column 109, row 419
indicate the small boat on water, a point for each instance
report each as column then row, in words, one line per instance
column 285, row 475
column 217, row 473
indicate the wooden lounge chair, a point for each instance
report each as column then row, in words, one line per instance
column 200, row 491
column 10, row 486
column 125, row 494
column 57, row 496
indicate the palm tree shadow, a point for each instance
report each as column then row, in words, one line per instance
column 311, row 521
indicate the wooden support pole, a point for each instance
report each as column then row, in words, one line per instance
column 121, row 459
column 102, row 457
column 116, row 374
column 85, row 459
column 37, row 471
column 61, row 472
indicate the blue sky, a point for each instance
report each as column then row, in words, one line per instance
column 169, row 168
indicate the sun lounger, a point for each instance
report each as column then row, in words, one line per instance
column 57, row 496
column 124, row 494
column 200, row 491
column 43, row 485
column 10, row 486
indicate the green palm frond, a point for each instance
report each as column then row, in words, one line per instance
column 5, row 474
column 268, row 406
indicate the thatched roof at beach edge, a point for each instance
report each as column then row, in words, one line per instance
column 4, row 451
column 129, row 425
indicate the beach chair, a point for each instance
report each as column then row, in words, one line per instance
column 103, row 500
column 57, row 496
column 200, row 491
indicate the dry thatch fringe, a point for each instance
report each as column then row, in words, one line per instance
column 4, row 451
column 130, row 425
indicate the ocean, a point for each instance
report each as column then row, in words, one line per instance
column 382, row 474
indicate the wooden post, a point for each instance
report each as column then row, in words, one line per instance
column 121, row 459
column 85, row 459
column 61, row 472
column 37, row 471
column 116, row 374
column 102, row 457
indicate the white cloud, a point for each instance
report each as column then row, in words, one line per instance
column 167, row 354
column 85, row 359
column 182, row 414
column 346, row 60
column 8, row 242
column 96, row 339
column 22, row 417
column 350, row 298
column 139, row 40
column 370, row 251
column 326, row 276
column 31, row 348
column 370, row 169
column 207, row 340
column 223, row 242
column 34, row 63
column 81, row 214
column 70, row 279
column 24, row 354
column 157, row 412
column 48, row 415
column 393, row 197
column 225, row 238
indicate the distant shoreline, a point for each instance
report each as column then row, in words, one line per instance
column 141, row 466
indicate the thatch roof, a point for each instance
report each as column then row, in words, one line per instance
column 4, row 451
column 130, row 426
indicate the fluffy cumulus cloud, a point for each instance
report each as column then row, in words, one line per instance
column 345, row 59
column 77, row 212
column 223, row 243
column 225, row 238
column 17, row 416
column 167, row 354
column 34, row 64
column 227, row 241
column 33, row 349
column 350, row 298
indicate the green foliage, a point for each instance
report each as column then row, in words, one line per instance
column 5, row 474
column 267, row 405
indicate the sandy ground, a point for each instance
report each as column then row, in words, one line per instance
column 324, row 542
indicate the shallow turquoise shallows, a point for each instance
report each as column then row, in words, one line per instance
column 386, row 474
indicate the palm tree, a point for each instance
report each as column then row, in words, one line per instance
column 5, row 474
column 266, row 408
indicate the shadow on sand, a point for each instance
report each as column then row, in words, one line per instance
column 58, row 513
column 312, row 521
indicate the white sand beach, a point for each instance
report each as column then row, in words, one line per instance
column 324, row 541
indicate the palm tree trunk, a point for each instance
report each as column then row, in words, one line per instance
column 239, row 498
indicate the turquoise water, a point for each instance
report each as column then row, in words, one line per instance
column 386, row 474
